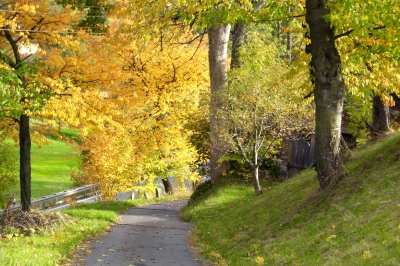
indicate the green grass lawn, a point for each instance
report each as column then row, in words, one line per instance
column 52, row 166
column 294, row 223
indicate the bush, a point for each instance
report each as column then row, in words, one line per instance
column 8, row 171
column 200, row 190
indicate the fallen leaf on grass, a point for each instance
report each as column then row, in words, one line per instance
column 329, row 238
column 367, row 254
column 260, row 260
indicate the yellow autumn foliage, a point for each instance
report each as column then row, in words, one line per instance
column 155, row 87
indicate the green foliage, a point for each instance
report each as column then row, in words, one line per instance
column 22, row 95
column 236, row 160
column 272, row 167
column 263, row 108
column 359, row 112
column 95, row 19
column 200, row 138
column 369, row 50
column 295, row 223
column 8, row 171
column 199, row 124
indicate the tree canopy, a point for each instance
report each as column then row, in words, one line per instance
column 146, row 82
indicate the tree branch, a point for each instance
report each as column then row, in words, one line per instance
column 347, row 33
column 14, row 47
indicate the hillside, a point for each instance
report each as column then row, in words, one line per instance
column 51, row 167
column 294, row 223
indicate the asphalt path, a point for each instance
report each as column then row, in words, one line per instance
column 152, row 235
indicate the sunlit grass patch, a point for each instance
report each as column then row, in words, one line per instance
column 51, row 168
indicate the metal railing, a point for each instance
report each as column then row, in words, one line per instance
column 64, row 199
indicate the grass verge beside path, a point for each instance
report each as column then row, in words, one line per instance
column 51, row 248
column 294, row 223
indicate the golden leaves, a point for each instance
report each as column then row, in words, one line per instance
column 144, row 137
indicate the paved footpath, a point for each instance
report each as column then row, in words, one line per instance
column 151, row 235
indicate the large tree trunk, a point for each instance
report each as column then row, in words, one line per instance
column 380, row 116
column 218, row 47
column 329, row 94
column 25, row 162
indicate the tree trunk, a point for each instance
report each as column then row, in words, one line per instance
column 217, row 55
column 25, row 162
column 169, row 188
column 380, row 116
column 256, row 181
column 237, row 42
column 289, row 48
column 24, row 134
column 329, row 94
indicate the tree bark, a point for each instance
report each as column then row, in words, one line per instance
column 380, row 116
column 256, row 181
column 217, row 54
column 25, row 162
column 329, row 94
column 238, row 35
column 24, row 134
column 169, row 188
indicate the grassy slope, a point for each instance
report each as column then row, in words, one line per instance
column 51, row 168
column 294, row 223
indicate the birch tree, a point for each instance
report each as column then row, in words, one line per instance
column 262, row 108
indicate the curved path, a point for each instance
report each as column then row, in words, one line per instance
column 151, row 235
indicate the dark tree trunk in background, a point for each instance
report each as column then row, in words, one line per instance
column 329, row 94
column 25, row 162
column 380, row 116
column 238, row 35
column 217, row 54
column 169, row 188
